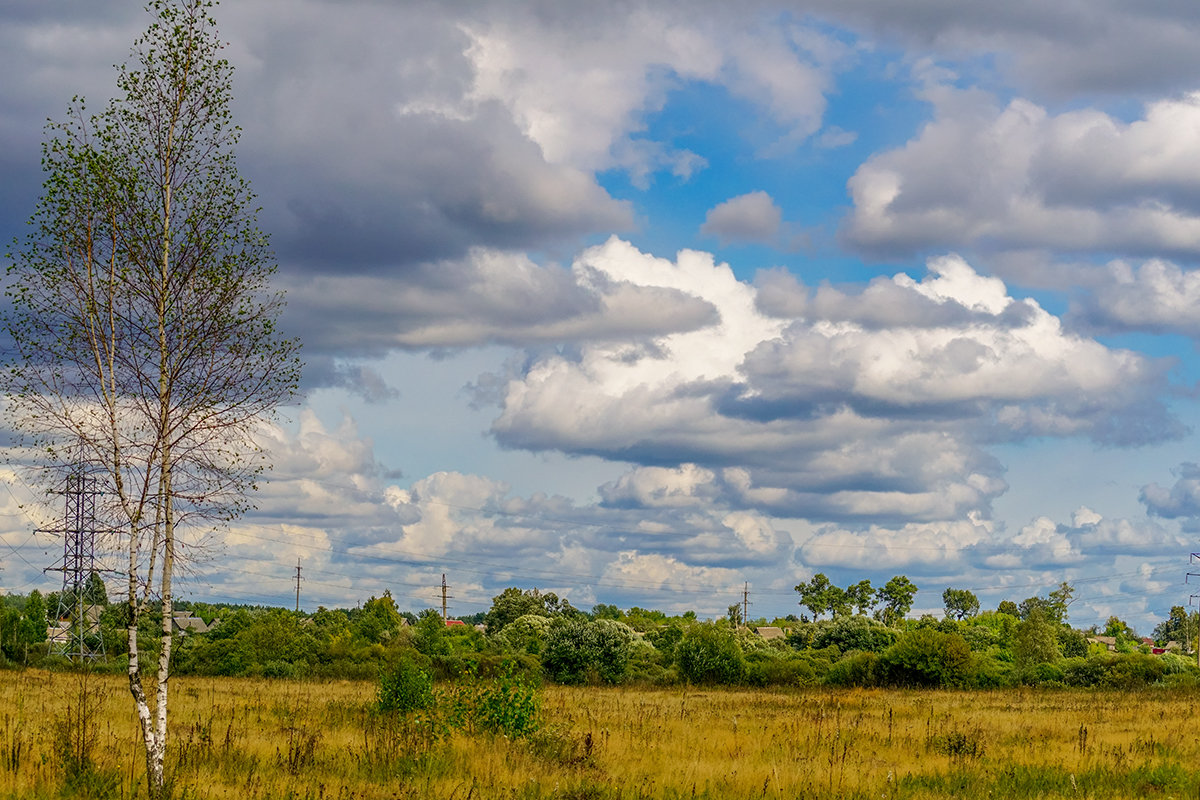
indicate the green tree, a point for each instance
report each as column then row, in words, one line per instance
column 927, row 657
column 378, row 620
column 960, row 603
column 144, row 348
column 513, row 603
column 94, row 591
column 1035, row 640
column 1008, row 607
column 813, row 593
column 430, row 635
column 709, row 654
column 861, row 595
column 897, row 599
column 819, row 595
column 1053, row 606
column 579, row 650
column 849, row 633
column 1179, row 626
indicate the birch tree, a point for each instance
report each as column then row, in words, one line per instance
column 145, row 352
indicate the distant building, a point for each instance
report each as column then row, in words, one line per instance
column 770, row 632
column 183, row 622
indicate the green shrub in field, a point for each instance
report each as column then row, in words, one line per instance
column 856, row 669
column 856, row 632
column 506, row 705
column 525, row 634
column 1133, row 671
column 404, row 687
column 769, row 668
column 992, row 670
column 583, row 651
column 926, row 656
column 1044, row 674
column 709, row 654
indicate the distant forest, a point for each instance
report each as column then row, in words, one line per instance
column 851, row 636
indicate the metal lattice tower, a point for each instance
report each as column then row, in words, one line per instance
column 76, row 633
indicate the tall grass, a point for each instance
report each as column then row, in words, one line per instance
column 248, row 738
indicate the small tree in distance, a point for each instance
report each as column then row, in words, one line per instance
column 960, row 603
column 145, row 351
column 897, row 599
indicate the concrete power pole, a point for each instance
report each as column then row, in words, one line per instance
column 445, row 597
column 297, row 584
column 745, row 604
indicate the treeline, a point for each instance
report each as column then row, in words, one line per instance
column 855, row 638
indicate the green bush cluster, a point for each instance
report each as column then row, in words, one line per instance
column 542, row 636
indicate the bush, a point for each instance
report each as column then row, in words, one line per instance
column 506, row 705
column 525, row 634
column 766, row 668
column 1044, row 674
column 709, row 654
column 1115, row 670
column 926, row 656
column 404, row 687
column 579, row 651
column 853, row 633
column 856, row 669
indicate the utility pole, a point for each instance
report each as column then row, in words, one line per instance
column 297, row 584
column 445, row 597
column 81, row 641
column 1192, row 601
column 745, row 603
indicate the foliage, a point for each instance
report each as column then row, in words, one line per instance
column 897, row 599
column 850, row 633
column 1035, row 640
column 379, row 620
column 818, row 595
column 1179, row 626
column 926, row 657
column 861, row 596
column 960, row 603
column 1053, row 606
column 404, row 687
column 508, row 704
column 430, row 635
column 144, row 352
column 23, row 630
column 709, row 654
column 857, row 669
column 772, row 668
column 514, row 603
column 583, row 651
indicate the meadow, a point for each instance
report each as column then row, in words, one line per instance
column 68, row 735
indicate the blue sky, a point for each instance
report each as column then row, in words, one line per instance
column 641, row 302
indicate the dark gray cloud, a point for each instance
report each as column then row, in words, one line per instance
column 1054, row 50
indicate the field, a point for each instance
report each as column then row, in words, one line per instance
column 65, row 736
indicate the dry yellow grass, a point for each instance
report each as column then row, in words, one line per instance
column 243, row 738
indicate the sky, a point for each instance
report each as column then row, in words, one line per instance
column 654, row 303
